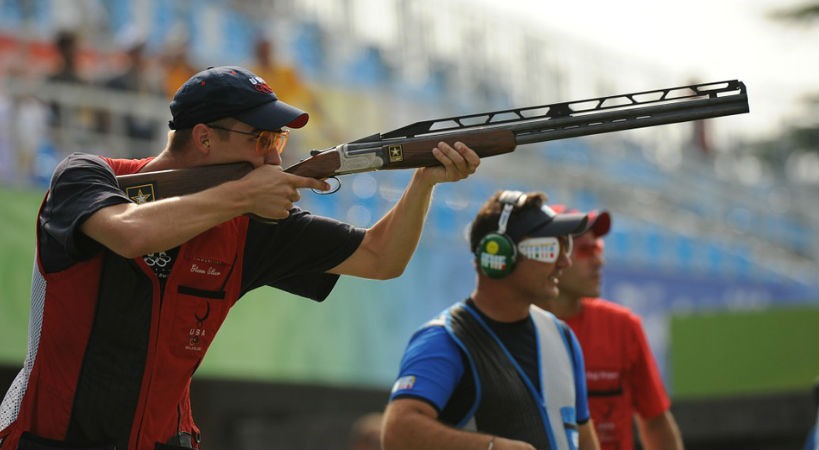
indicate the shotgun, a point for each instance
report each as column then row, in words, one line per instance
column 489, row 134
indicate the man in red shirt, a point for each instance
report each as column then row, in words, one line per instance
column 622, row 376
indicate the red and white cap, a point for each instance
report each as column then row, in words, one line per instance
column 599, row 221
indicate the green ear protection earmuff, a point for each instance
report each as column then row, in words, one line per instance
column 497, row 252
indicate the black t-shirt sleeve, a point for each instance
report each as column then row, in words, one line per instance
column 295, row 254
column 82, row 184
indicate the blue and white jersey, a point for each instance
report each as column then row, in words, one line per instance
column 441, row 369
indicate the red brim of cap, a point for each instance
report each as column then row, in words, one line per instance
column 300, row 121
column 600, row 222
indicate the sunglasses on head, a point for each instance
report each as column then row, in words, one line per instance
column 267, row 141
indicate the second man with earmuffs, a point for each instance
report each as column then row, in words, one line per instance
column 493, row 372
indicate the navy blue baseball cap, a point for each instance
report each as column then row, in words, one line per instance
column 546, row 222
column 232, row 91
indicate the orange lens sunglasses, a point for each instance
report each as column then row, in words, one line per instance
column 267, row 141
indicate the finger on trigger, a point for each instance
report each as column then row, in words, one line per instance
column 308, row 182
column 323, row 185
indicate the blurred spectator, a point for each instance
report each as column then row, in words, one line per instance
column 23, row 117
column 32, row 139
column 289, row 86
column 284, row 78
column 7, row 157
column 137, row 77
column 365, row 433
column 176, row 62
column 67, row 43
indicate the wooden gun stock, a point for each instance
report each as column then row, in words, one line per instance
column 149, row 186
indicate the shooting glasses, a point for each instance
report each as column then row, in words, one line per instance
column 545, row 249
column 267, row 141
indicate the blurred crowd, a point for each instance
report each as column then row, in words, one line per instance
column 67, row 94
column 64, row 95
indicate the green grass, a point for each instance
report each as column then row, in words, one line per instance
column 17, row 226
column 744, row 352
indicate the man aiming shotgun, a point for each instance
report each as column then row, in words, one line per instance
column 127, row 298
column 489, row 134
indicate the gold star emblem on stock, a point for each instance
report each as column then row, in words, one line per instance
column 141, row 194
column 396, row 153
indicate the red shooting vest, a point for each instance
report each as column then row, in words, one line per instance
column 111, row 357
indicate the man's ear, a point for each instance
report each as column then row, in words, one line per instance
column 201, row 137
